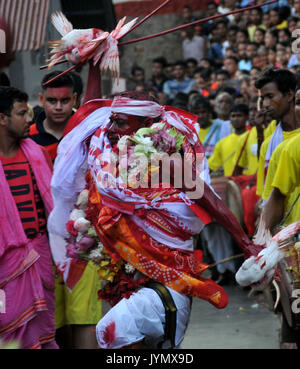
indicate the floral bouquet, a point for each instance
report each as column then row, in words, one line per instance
column 83, row 241
column 84, row 244
column 136, row 152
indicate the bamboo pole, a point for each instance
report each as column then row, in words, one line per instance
column 226, row 259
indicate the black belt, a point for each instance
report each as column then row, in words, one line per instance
column 170, row 309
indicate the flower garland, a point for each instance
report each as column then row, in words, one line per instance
column 137, row 151
column 84, row 244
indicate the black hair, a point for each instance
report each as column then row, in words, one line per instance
column 284, row 12
column 180, row 101
column 204, row 72
column 63, row 81
column 211, row 3
column 233, row 58
column 182, row 63
column 243, row 108
column 137, row 95
column 224, row 72
column 253, row 43
column 244, row 31
column 199, row 100
column 286, row 31
column 224, row 21
column 228, row 89
column 293, row 18
column 4, row 80
column 283, row 43
column 10, row 95
column 238, row 95
column 169, row 64
column 275, row 9
column 213, row 26
column 136, row 68
column 284, row 79
column 233, row 27
column 273, row 31
column 161, row 60
column 259, row 10
column 273, row 48
column 78, row 85
column 232, row 48
column 191, row 60
column 209, row 60
column 263, row 31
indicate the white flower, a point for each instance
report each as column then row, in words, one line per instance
column 82, row 225
column 83, row 199
column 145, row 149
column 76, row 214
column 100, row 247
column 122, row 143
column 158, row 126
column 129, row 268
column 96, row 255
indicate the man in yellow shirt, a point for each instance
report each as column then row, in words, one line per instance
column 285, row 182
column 282, row 192
column 246, row 155
column 282, row 178
column 276, row 89
column 211, row 131
column 225, row 149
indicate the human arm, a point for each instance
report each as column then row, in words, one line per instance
column 274, row 209
column 93, row 87
column 215, row 161
column 241, row 157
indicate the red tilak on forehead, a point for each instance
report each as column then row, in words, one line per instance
column 59, row 92
column 133, row 121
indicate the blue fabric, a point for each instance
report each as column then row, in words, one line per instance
column 216, row 51
column 172, row 87
column 245, row 65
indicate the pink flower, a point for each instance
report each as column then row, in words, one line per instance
column 70, row 228
column 85, row 243
column 82, row 225
column 72, row 252
column 83, row 199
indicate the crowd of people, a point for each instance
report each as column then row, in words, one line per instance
column 224, row 54
column 240, row 76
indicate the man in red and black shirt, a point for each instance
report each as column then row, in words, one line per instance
column 58, row 99
column 26, row 274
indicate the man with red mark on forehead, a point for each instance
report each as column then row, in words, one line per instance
column 58, row 100
column 149, row 229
